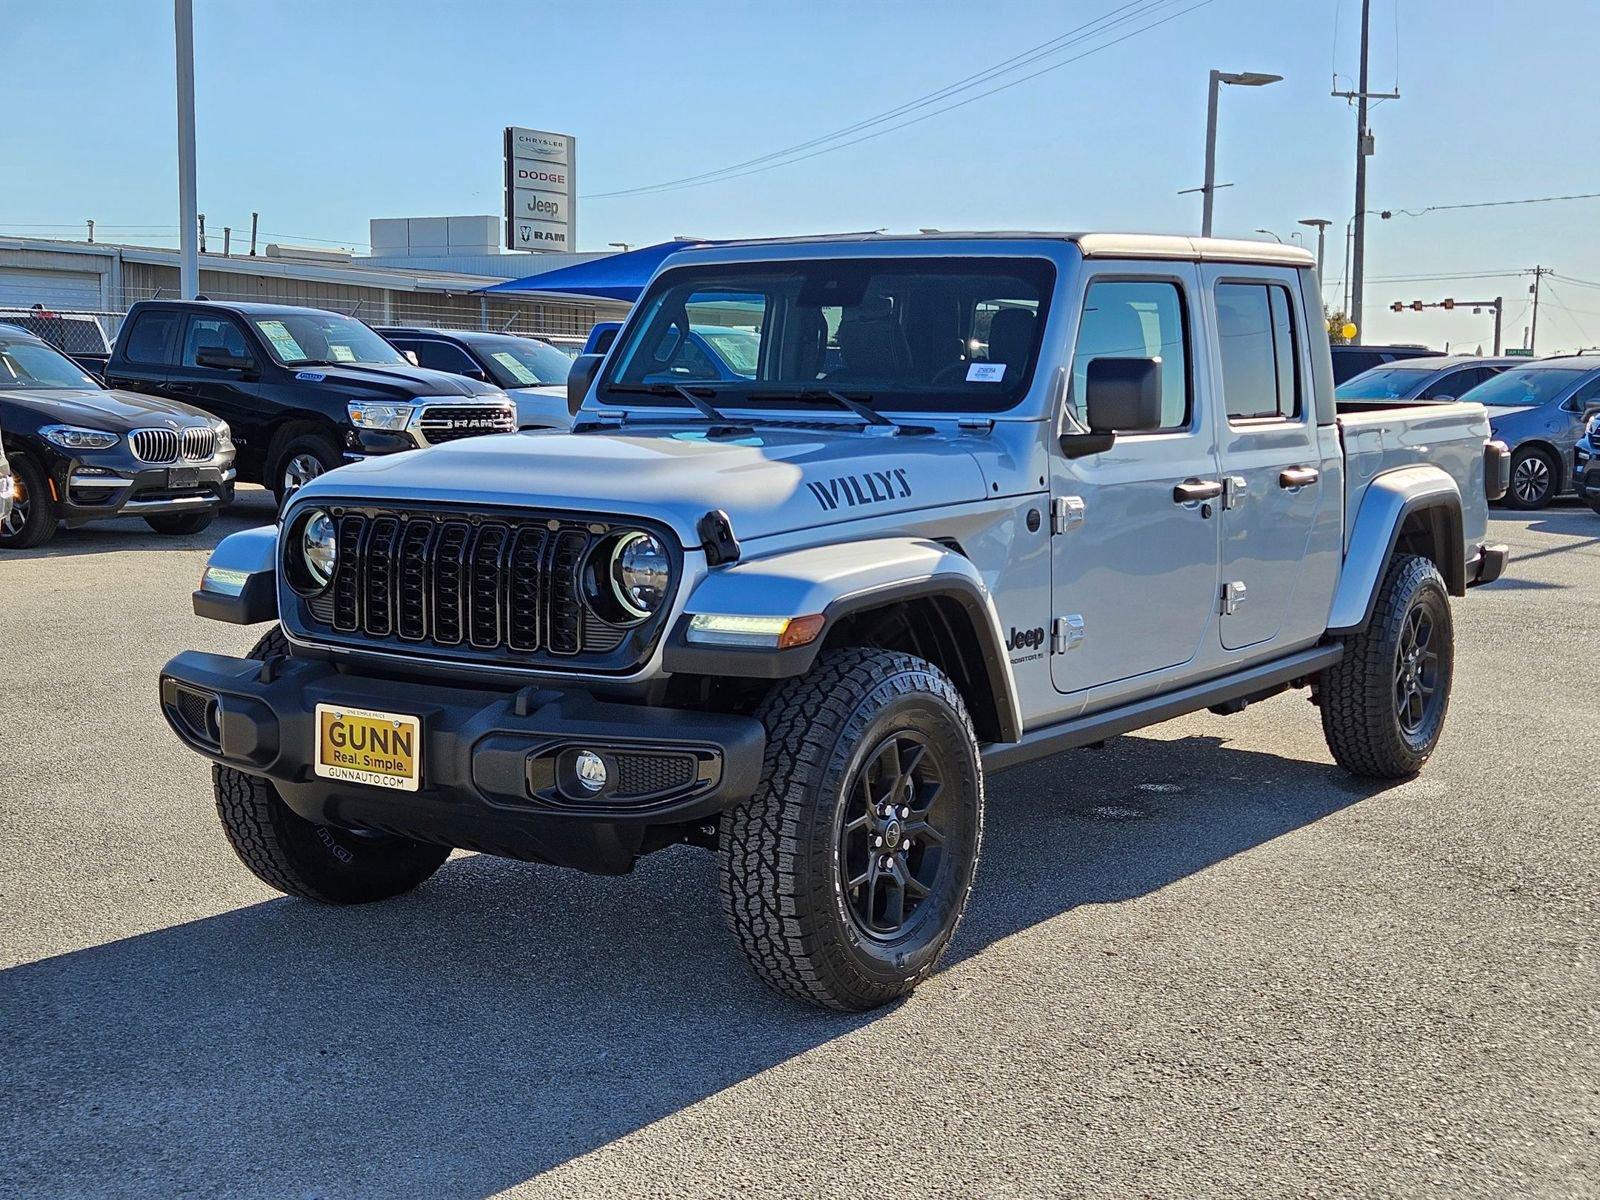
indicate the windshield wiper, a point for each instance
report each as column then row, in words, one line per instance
column 866, row 412
column 701, row 405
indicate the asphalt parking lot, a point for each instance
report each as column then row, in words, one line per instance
column 1200, row 961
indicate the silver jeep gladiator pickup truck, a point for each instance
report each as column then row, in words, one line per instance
column 981, row 498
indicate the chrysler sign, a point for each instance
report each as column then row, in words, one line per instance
column 540, row 190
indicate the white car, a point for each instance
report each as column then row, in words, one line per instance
column 532, row 372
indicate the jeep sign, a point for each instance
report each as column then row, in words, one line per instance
column 540, row 190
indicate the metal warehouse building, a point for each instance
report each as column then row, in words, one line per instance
column 105, row 278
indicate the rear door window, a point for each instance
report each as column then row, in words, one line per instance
column 1260, row 355
column 153, row 337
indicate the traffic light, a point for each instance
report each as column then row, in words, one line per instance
column 1397, row 307
column 1448, row 303
column 1416, row 306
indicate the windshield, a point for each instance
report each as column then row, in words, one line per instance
column 1383, row 383
column 297, row 339
column 523, row 362
column 1525, row 385
column 923, row 334
column 28, row 364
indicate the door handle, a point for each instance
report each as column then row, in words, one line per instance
column 1191, row 491
column 1298, row 477
column 183, row 389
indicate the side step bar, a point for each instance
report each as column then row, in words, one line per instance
column 1082, row 731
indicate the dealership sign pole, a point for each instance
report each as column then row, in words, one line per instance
column 188, row 208
column 541, row 189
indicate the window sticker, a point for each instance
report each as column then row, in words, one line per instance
column 985, row 372
column 341, row 353
column 518, row 371
column 282, row 340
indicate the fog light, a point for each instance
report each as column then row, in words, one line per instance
column 591, row 770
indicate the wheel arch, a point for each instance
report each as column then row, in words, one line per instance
column 299, row 426
column 907, row 594
column 1412, row 510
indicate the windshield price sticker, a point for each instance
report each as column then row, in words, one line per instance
column 510, row 362
column 282, row 340
column 986, row 372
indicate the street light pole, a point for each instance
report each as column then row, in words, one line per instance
column 1217, row 78
column 1320, row 224
column 1364, row 147
column 188, row 207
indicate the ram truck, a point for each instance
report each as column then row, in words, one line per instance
column 981, row 499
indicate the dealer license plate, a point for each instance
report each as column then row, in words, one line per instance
column 357, row 745
column 183, row 477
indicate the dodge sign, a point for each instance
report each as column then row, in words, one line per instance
column 540, row 190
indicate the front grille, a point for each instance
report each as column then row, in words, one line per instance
column 451, row 422
column 509, row 588
column 165, row 445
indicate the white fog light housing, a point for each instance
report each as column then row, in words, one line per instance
column 392, row 417
column 758, row 633
column 590, row 770
column 319, row 548
column 640, row 573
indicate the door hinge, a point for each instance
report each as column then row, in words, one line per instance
column 1066, row 633
column 1066, row 512
column 1233, row 593
column 1233, row 489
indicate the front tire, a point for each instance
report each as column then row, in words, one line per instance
column 1384, row 702
column 845, row 876
column 302, row 858
column 182, row 524
column 1535, row 477
column 300, row 461
column 33, row 518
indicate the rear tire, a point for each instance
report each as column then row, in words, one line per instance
column 845, row 876
column 1384, row 702
column 302, row 858
column 300, row 461
column 33, row 520
column 1535, row 479
column 182, row 524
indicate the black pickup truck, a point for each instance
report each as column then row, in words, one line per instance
column 304, row 390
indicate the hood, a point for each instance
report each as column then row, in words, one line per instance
column 541, row 407
column 400, row 381
column 94, row 408
column 771, row 481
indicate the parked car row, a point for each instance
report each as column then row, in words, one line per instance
column 1540, row 408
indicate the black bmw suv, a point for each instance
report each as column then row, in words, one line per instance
column 82, row 452
column 305, row 390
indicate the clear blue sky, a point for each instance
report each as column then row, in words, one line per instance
column 322, row 114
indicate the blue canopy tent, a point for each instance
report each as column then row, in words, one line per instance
column 615, row 277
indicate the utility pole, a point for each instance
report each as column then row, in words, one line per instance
column 188, row 207
column 1364, row 148
column 1538, row 274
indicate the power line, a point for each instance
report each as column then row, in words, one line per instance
column 1408, row 212
column 1044, row 49
column 729, row 173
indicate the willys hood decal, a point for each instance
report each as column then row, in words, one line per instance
column 768, row 482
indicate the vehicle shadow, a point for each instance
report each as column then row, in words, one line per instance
column 506, row 1018
column 251, row 507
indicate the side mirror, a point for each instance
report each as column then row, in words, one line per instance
column 1121, row 395
column 584, row 368
column 603, row 340
column 477, row 373
column 1441, row 398
column 221, row 360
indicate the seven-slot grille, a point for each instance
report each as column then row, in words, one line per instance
column 158, row 446
column 451, row 422
column 436, row 579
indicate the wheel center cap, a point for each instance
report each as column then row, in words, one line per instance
column 891, row 834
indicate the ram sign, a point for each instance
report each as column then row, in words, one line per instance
column 540, row 190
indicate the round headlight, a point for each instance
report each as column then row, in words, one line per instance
column 319, row 547
column 640, row 572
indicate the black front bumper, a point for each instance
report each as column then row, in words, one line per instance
column 496, row 767
column 93, row 489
